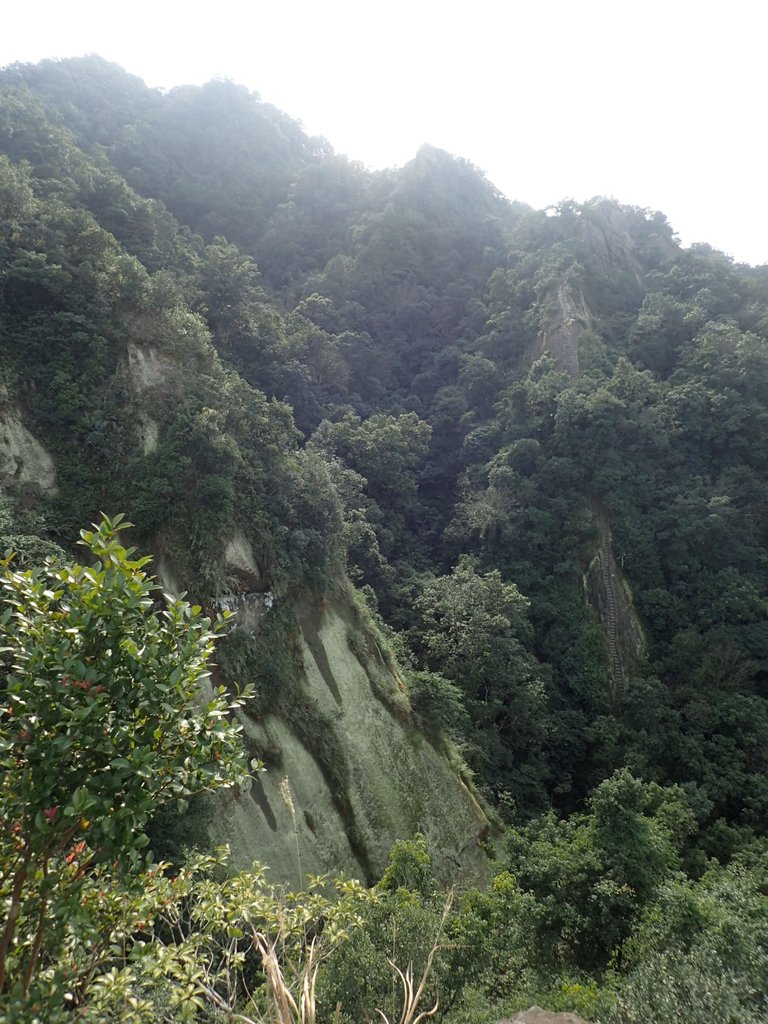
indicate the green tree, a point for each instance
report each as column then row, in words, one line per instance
column 404, row 923
column 386, row 450
column 475, row 631
column 700, row 952
column 105, row 716
column 593, row 874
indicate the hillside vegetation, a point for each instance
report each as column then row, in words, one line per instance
column 522, row 454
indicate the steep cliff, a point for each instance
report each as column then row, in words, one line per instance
column 23, row 460
column 568, row 334
column 565, row 322
column 567, row 329
column 610, row 596
column 347, row 772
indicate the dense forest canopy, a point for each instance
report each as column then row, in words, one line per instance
column 536, row 442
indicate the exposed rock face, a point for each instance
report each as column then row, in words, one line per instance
column 23, row 460
column 347, row 771
column 385, row 781
column 566, row 333
column 147, row 369
column 538, row 1016
column 567, row 330
column 248, row 597
column 609, row 237
column 565, row 324
column 250, row 608
column 241, row 565
column 610, row 596
column 238, row 554
column 613, row 236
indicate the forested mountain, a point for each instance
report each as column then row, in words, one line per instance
column 536, row 443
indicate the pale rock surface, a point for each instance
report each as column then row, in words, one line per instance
column 23, row 460
column 398, row 783
column 167, row 577
column 147, row 367
column 610, row 596
column 238, row 554
column 535, row 1015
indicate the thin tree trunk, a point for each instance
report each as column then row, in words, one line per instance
column 9, row 930
column 35, row 953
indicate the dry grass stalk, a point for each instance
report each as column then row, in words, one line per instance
column 410, row 1013
column 285, row 793
column 287, row 1011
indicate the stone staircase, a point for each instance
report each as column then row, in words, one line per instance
column 609, row 586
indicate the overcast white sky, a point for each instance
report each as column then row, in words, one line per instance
column 660, row 104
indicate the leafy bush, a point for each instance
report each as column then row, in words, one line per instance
column 439, row 703
column 101, row 723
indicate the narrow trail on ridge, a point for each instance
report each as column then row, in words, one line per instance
column 604, row 590
column 568, row 348
column 608, row 576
